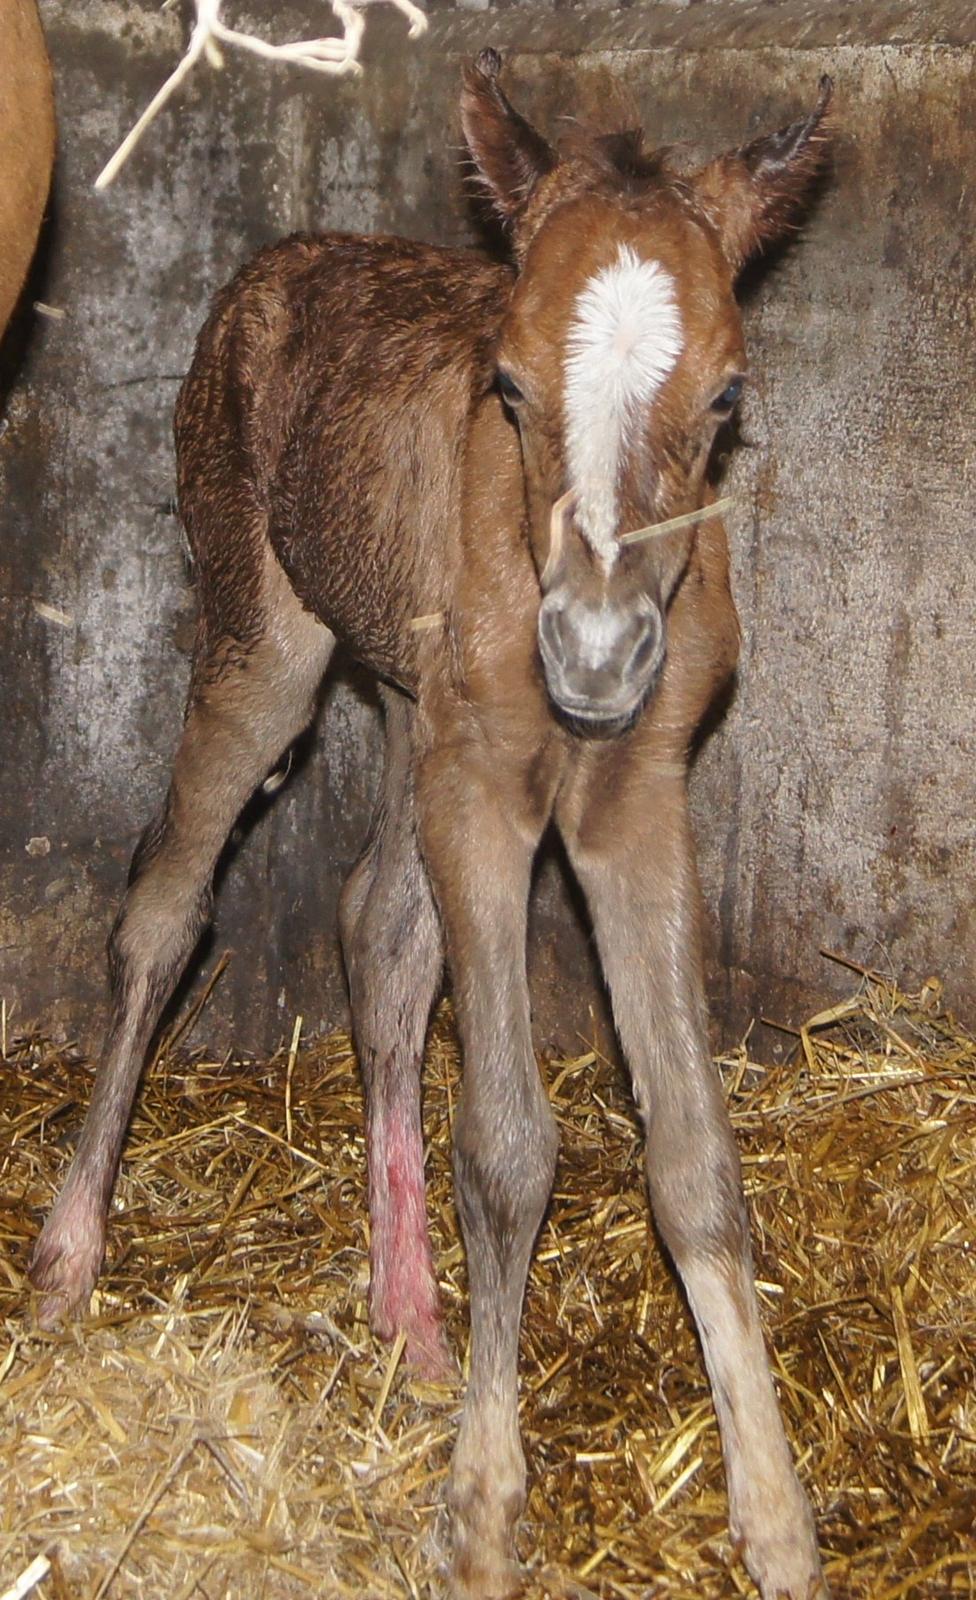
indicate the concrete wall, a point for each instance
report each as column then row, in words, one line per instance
column 834, row 801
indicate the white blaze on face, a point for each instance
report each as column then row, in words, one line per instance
column 623, row 341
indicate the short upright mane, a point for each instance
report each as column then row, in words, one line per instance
column 617, row 160
column 621, row 154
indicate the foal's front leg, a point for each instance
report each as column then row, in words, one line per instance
column 479, row 852
column 639, row 876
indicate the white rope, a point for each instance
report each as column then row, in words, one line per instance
column 335, row 56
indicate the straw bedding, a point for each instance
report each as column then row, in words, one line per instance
column 224, row 1425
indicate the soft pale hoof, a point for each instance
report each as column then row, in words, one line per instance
column 483, row 1526
column 65, row 1266
column 477, row 1574
column 785, row 1564
column 426, row 1352
column 62, row 1297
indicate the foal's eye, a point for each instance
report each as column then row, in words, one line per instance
column 729, row 397
column 509, row 389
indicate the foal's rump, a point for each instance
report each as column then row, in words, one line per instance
column 326, row 411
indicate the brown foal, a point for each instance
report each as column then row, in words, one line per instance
column 374, row 430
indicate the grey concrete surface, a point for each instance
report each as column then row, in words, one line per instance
column 834, row 800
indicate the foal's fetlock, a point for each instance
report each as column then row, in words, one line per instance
column 484, row 1520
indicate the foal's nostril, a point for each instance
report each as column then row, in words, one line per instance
column 550, row 631
column 647, row 651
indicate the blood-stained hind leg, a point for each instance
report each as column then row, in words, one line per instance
column 637, row 869
column 245, row 708
column 392, row 945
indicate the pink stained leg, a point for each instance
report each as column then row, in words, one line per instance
column 391, row 940
column 403, row 1294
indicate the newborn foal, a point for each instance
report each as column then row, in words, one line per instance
column 374, row 431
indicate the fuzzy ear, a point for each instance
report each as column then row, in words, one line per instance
column 508, row 153
column 754, row 193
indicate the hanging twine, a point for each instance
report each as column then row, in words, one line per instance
column 336, row 57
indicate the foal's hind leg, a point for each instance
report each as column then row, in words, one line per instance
column 392, row 945
column 243, row 712
column 644, row 903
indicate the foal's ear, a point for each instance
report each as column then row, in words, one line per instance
column 754, row 193
column 509, row 154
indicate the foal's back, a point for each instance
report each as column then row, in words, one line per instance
column 327, row 411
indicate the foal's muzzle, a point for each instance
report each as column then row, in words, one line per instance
column 599, row 661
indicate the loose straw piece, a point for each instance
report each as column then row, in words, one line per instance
column 561, row 511
column 289, row 1073
column 431, row 619
column 29, row 1578
column 918, row 1421
column 655, row 529
column 391, row 1366
column 335, row 56
column 64, row 619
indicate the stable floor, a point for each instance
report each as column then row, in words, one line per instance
column 223, row 1424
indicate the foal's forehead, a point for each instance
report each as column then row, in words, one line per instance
column 592, row 247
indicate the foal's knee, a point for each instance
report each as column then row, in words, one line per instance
column 505, row 1148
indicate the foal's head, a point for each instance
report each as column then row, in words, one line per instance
column 620, row 355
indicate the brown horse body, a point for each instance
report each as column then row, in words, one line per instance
column 26, row 144
column 348, row 462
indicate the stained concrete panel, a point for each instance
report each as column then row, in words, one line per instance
column 834, row 801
